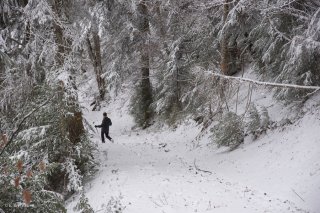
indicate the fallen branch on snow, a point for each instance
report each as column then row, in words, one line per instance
column 298, row 195
column 200, row 170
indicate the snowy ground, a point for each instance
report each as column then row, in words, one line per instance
column 160, row 170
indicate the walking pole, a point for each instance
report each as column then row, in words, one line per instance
column 95, row 127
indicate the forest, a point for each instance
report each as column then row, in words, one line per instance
column 175, row 59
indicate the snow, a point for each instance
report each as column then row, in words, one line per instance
column 162, row 170
column 75, row 177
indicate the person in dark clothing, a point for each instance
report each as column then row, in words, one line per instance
column 106, row 122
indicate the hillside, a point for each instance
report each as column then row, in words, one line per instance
column 164, row 169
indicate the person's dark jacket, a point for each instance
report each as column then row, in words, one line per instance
column 106, row 122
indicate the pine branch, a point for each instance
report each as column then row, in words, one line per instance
column 21, row 123
column 16, row 41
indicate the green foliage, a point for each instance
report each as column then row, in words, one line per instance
column 229, row 131
column 42, row 120
column 20, row 180
column 285, row 50
column 48, row 158
column 23, row 182
column 181, row 51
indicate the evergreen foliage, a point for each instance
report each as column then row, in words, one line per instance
column 45, row 151
column 265, row 119
column 258, row 122
column 181, row 50
column 229, row 131
column 49, row 160
column 254, row 119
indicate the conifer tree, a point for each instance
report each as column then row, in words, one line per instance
column 142, row 103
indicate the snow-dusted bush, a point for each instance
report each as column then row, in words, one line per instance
column 254, row 121
column 23, row 185
column 229, row 131
column 41, row 158
column 264, row 118
column 258, row 122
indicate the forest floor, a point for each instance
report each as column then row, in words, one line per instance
column 166, row 170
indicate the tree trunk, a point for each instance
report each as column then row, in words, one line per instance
column 72, row 122
column 233, row 54
column 95, row 57
column 176, row 31
column 162, row 28
column 177, row 86
column 70, row 116
column 224, row 43
column 58, row 31
column 146, row 90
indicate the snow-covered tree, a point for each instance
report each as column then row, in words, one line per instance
column 39, row 111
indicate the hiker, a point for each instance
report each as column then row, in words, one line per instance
column 106, row 122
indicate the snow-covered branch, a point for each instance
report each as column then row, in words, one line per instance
column 21, row 123
column 240, row 79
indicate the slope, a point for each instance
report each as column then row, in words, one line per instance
column 161, row 170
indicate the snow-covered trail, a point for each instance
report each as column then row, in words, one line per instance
column 153, row 180
column 158, row 171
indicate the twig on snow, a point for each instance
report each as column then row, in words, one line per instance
column 298, row 195
column 200, row 170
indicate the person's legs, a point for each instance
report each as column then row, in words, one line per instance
column 107, row 136
column 102, row 136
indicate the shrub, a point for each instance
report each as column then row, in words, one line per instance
column 258, row 121
column 254, row 119
column 229, row 131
